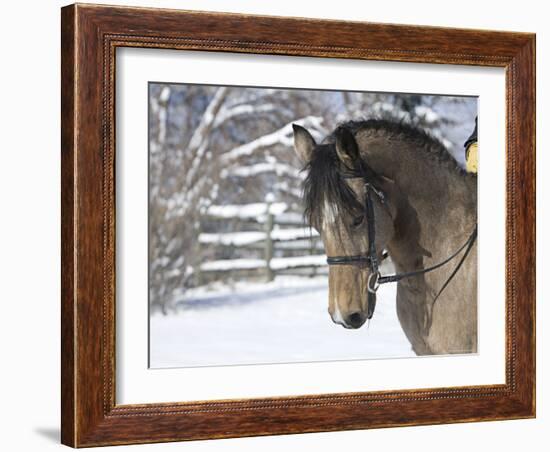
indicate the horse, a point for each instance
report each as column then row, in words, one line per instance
column 376, row 186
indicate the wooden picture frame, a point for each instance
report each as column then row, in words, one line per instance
column 90, row 36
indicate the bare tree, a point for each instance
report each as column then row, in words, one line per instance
column 187, row 174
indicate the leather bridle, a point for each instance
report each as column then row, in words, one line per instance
column 371, row 259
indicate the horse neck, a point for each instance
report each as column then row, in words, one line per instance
column 435, row 203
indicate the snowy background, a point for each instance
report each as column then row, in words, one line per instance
column 236, row 277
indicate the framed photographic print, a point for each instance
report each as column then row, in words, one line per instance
column 282, row 225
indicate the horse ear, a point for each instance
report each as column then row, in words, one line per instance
column 346, row 148
column 304, row 144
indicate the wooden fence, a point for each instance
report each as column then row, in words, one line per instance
column 259, row 240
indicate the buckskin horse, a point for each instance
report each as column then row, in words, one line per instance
column 375, row 187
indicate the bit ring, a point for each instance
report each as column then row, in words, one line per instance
column 373, row 287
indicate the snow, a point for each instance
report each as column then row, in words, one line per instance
column 281, row 263
column 285, row 218
column 232, row 264
column 160, row 107
column 249, row 237
column 198, row 137
column 283, row 321
column 232, row 238
column 303, row 244
column 199, row 142
column 293, row 234
column 277, row 263
column 280, row 169
column 240, row 110
column 245, row 211
column 379, row 108
column 427, row 113
column 289, row 218
column 164, row 94
column 281, row 136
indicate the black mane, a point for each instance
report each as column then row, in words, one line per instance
column 324, row 184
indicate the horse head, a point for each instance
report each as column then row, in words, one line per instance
column 335, row 194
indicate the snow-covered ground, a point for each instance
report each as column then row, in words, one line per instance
column 279, row 322
column 248, row 237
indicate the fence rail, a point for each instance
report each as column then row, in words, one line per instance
column 281, row 243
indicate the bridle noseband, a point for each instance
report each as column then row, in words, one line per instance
column 370, row 260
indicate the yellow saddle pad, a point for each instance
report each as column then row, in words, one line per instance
column 471, row 158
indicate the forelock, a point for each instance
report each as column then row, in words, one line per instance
column 325, row 188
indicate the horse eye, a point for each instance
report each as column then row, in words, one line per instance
column 357, row 221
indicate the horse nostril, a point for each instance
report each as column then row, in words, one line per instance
column 355, row 320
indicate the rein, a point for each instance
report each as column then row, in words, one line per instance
column 371, row 260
